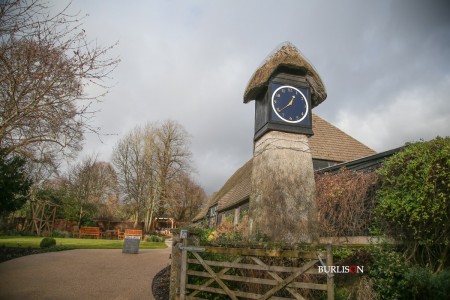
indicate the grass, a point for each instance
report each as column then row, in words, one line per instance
column 72, row 243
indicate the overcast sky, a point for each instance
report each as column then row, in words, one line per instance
column 385, row 65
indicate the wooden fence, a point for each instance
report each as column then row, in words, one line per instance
column 243, row 273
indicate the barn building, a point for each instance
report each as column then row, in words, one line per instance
column 329, row 146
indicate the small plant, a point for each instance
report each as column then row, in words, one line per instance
column 388, row 273
column 154, row 238
column 59, row 234
column 47, row 242
column 342, row 253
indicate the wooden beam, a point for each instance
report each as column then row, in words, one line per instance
column 246, row 266
column 264, row 252
column 183, row 275
column 289, row 279
column 279, row 279
column 229, row 292
column 222, row 272
column 330, row 279
column 300, row 285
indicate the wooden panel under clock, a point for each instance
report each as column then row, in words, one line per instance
column 289, row 79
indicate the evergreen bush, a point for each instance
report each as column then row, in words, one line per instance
column 414, row 200
column 47, row 242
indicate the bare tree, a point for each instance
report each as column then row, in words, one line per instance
column 147, row 160
column 133, row 157
column 173, row 154
column 106, row 189
column 185, row 198
column 91, row 185
column 46, row 62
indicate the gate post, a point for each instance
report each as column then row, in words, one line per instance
column 330, row 279
column 184, row 238
column 175, row 269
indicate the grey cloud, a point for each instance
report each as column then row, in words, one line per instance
column 190, row 61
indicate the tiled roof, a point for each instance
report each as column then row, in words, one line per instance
column 236, row 189
column 328, row 143
column 204, row 210
column 331, row 143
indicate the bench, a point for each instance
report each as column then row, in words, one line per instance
column 120, row 234
column 89, row 231
column 133, row 232
column 128, row 232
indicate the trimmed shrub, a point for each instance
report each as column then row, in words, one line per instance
column 47, row 242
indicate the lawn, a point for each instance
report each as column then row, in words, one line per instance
column 72, row 243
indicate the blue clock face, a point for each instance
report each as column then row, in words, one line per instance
column 289, row 104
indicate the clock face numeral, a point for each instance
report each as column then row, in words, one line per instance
column 289, row 104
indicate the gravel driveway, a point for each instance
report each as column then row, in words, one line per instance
column 82, row 274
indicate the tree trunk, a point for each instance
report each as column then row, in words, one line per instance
column 149, row 216
column 136, row 219
column 80, row 216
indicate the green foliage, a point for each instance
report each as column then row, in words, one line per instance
column 418, row 280
column 388, row 274
column 86, row 221
column 440, row 285
column 7, row 253
column 54, row 195
column 414, row 199
column 59, row 234
column 204, row 234
column 154, row 238
column 259, row 237
column 342, row 293
column 47, row 242
column 74, row 243
column 15, row 232
column 342, row 252
column 14, row 183
column 394, row 277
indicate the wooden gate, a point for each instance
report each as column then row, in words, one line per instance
column 249, row 275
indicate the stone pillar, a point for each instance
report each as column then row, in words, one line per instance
column 282, row 200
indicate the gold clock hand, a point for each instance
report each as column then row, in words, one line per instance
column 289, row 104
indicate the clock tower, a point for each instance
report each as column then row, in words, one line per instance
column 282, row 201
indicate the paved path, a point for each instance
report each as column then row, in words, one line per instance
column 82, row 274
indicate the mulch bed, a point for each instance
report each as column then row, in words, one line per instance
column 161, row 284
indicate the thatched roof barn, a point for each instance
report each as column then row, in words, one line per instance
column 329, row 146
